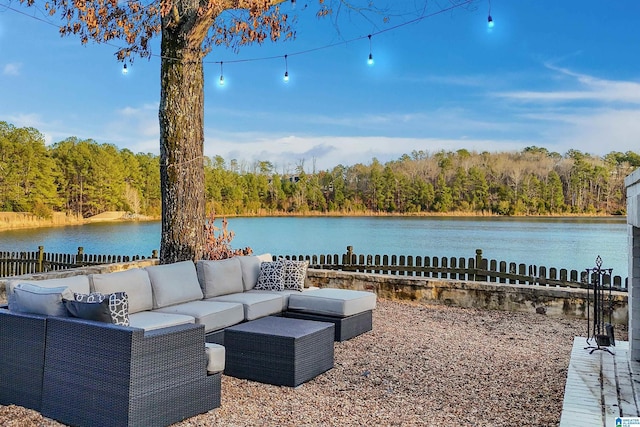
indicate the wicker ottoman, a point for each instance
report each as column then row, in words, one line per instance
column 350, row 311
column 278, row 350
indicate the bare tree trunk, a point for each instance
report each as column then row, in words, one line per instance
column 181, row 116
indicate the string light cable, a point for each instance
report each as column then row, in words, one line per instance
column 298, row 53
column 490, row 22
column 286, row 69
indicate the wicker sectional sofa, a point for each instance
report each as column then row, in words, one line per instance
column 154, row 371
column 164, row 365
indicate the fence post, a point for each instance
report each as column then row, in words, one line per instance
column 348, row 255
column 154, row 253
column 40, row 258
column 479, row 277
column 80, row 256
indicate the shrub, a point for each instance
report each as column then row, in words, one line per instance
column 218, row 241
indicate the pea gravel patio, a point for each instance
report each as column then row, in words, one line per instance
column 421, row 365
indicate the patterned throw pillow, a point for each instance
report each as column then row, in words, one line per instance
column 295, row 272
column 110, row 308
column 271, row 276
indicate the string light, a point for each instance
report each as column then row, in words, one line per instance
column 490, row 23
column 286, row 69
column 124, row 70
column 302, row 52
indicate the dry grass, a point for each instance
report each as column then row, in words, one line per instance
column 421, row 365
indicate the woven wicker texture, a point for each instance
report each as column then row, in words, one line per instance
column 345, row 327
column 121, row 376
column 278, row 350
column 22, row 345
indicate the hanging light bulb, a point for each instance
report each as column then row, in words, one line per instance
column 221, row 81
column 124, row 69
column 286, row 69
column 489, row 18
column 370, row 60
column 293, row 4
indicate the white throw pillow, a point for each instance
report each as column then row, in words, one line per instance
column 295, row 273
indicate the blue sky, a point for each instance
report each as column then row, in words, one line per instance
column 556, row 74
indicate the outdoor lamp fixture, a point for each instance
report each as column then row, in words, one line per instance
column 293, row 4
column 286, row 69
column 370, row 60
column 124, row 69
column 221, row 81
column 489, row 18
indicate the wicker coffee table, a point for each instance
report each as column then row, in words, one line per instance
column 279, row 350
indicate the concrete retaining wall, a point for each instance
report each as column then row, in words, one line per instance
column 551, row 301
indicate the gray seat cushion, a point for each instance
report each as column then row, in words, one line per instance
column 333, row 302
column 150, row 320
column 284, row 295
column 255, row 305
column 213, row 315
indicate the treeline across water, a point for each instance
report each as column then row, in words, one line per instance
column 85, row 177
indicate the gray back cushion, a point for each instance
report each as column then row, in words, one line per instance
column 29, row 298
column 251, row 269
column 134, row 282
column 174, row 283
column 220, row 277
column 76, row 284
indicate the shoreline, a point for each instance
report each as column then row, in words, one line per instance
column 23, row 220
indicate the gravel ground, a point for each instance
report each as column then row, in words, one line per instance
column 421, row 365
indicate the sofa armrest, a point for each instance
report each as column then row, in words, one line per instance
column 120, row 375
column 22, row 347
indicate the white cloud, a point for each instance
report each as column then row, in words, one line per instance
column 12, row 69
column 594, row 131
column 135, row 128
column 26, row 120
column 53, row 131
column 586, row 113
column 589, row 88
column 329, row 151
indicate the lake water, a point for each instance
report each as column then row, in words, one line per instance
column 571, row 243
